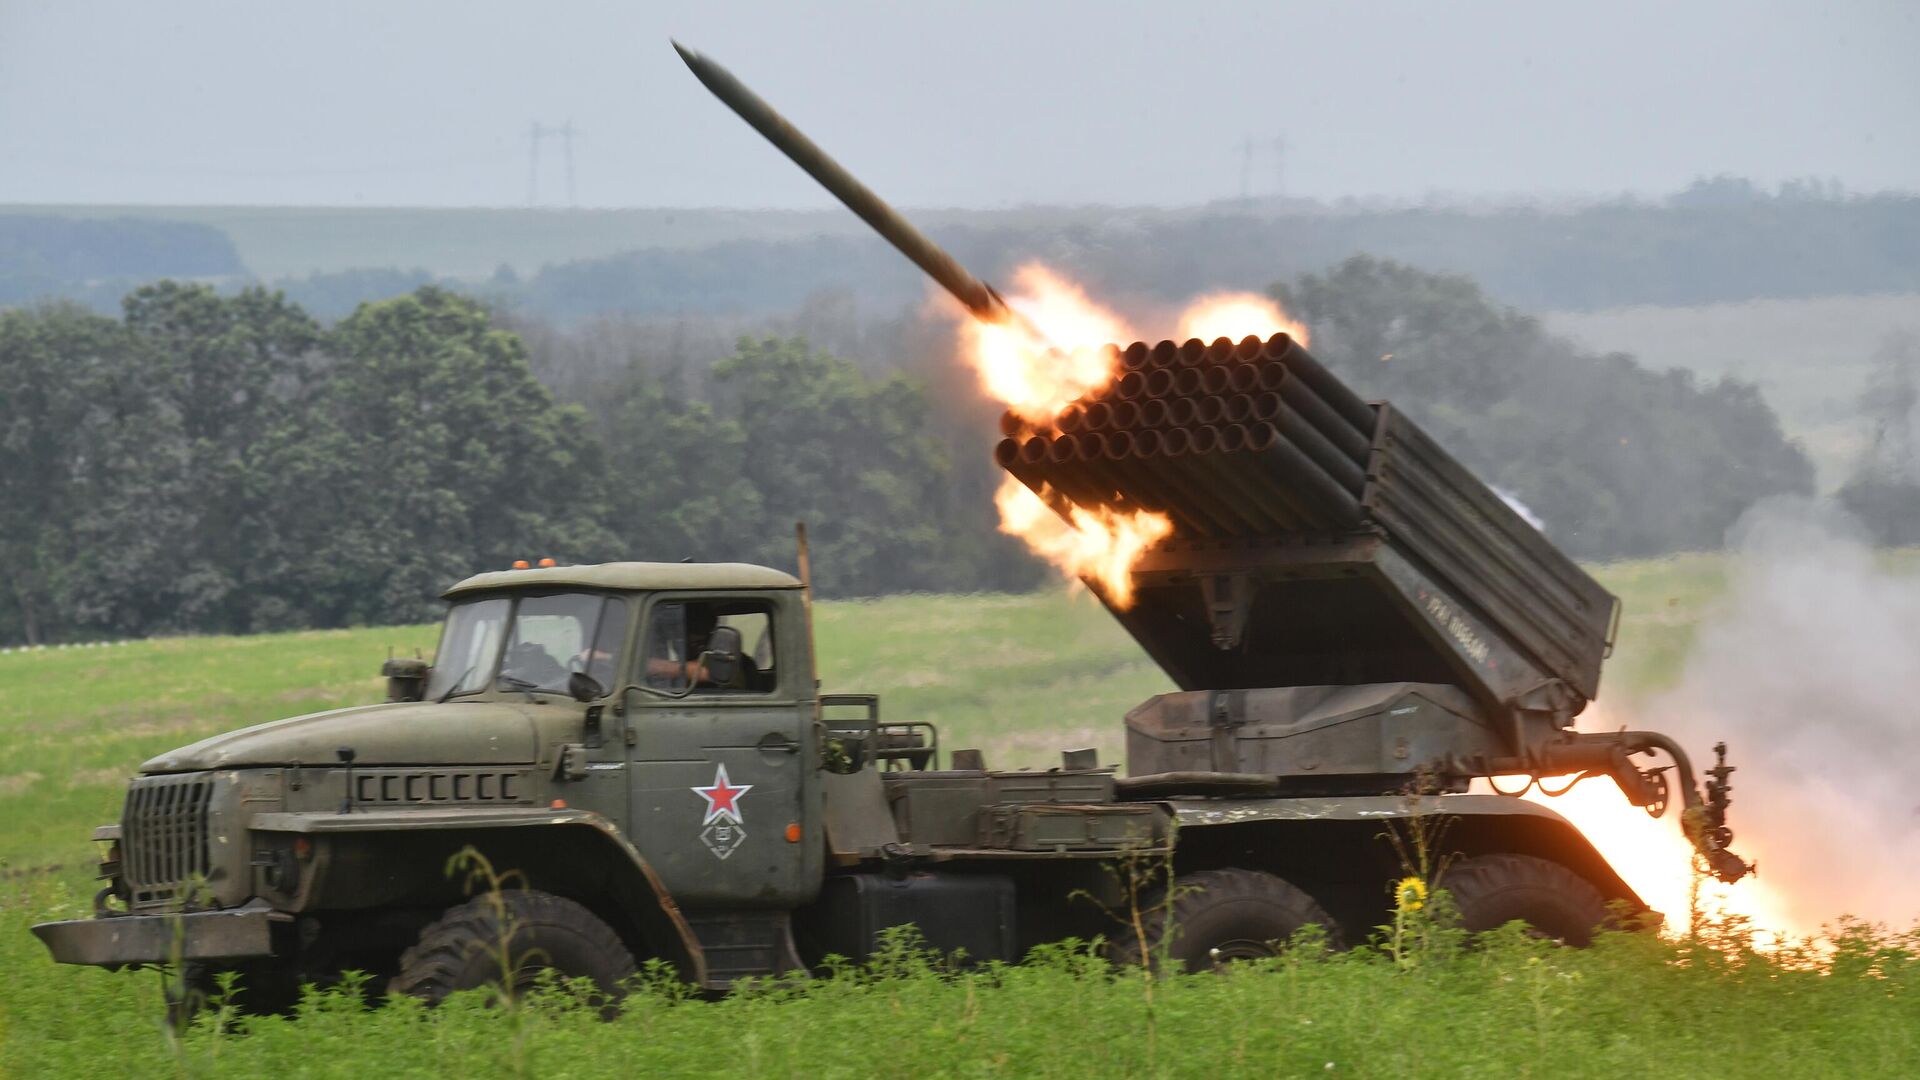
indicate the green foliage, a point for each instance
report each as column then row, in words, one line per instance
column 222, row 464
column 438, row 453
column 62, row 414
column 1514, row 1006
column 1619, row 461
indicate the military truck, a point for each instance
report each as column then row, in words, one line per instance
column 1359, row 629
column 642, row 744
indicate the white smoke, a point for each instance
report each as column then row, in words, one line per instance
column 1809, row 667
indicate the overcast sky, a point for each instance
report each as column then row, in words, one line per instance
column 400, row 102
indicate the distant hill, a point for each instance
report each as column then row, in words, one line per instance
column 564, row 264
column 1598, row 257
column 46, row 254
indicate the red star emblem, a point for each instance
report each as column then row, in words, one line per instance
column 723, row 798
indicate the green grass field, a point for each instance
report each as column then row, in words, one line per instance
column 1019, row 677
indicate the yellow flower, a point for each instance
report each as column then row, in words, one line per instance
column 1410, row 894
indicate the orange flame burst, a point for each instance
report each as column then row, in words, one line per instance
column 1235, row 315
column 1097, row 543
column 1038, row 376
column 1036, row 379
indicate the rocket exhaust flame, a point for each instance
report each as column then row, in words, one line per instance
column 1095, row 544
column 1223, row 315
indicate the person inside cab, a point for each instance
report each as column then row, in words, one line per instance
column 684, row 645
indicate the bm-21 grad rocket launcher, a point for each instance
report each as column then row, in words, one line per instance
column 1346, row 608
column 1359, row 629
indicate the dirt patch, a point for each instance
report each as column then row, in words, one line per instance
column 308, row 696
column 112, row 776
column 17, row 784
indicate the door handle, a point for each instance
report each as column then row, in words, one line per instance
column 773, row 740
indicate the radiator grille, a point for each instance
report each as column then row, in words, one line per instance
column 164, row 835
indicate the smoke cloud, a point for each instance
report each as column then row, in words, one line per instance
column 1809, row 667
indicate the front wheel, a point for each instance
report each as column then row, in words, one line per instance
column 1490, row 891
column 507, row 939
column 1218, row 916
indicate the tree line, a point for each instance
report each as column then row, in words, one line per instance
column 227, row 463
column 1696, row 250
column 1720, row 240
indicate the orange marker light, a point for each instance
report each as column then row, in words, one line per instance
column 519, row 564
column 559, row 804
column 793, row 832
column 544, row 563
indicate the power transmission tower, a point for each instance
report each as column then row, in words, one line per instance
column 536, row 134
column 1246, row 169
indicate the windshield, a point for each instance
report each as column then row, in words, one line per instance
column 529, row 643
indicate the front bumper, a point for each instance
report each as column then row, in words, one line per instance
column 118, row 940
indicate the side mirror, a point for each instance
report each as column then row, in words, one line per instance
column 722, row 658
column 584, row 687
column 406, row 678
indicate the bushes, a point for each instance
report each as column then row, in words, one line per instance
column 1514, row 1006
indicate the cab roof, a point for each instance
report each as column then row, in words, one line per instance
column 631, row 575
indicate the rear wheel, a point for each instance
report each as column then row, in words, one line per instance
column 1219, row 916
column 508, row 940
column 1490, row 891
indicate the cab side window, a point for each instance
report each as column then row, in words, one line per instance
column 678, row 633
